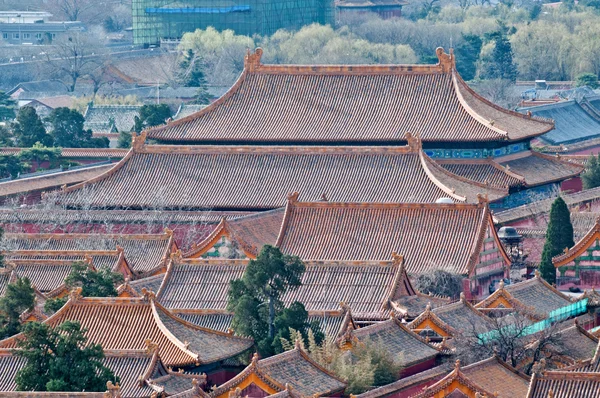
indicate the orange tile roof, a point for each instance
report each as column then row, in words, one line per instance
column 133, row 323
column 250, row 233
column 114, row 153
column 351, row 103
column 255, row 178
column 590, row 239
column 490, row 378
column 51, row 181
column 429, row 236
column 133, row 367
column 47, row 269
column 495, row 375
column 294, row 368
column 537, row 168
column 558, row 384
column 145, row 253
column 368, row 288
column 403, row 345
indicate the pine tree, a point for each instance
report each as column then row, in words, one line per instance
column 19, row 297
column 467, row 55
column 93, row 283
column 558, row 237
column 68, row 130
column 501, row 65
column 29, row 129
column 255, row 300
column 7, row 107
column 60, row 359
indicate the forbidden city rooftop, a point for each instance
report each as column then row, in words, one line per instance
column 351, row 104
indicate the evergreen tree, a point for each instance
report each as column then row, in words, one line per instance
column 467, row 55
column 501, row 64
column 255, row 300
column 10, row 166
column 68, row 130
column 6, row 138
column 60, row 359
column 591, row 176
column 29, row 129
column 124, row 140
column 559, row 236
column 192, row 75
column 587, row 79
column 18, row 298
column 7, row 107
column 38, row 154
column 152, row 115
column 93, row 283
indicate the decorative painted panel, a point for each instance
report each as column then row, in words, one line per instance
column 479, row 153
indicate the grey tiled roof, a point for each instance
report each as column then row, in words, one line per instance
column 123, row 116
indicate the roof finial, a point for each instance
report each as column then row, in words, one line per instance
column 138, row 141
column 445, row 61
column 75, row 294
column 482, row 199
column 457, row 364
column 148, row 294
column 536, row 273
column 252, row 60
column 397, row 258
column 462, row 297
column 298, row 343
column 112, row 390
column 255, row 359
column 323, row 198
column 501, row 284
column 151, row 347
column 293, row 197
column 414, row 143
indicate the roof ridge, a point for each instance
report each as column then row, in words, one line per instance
column 273, row 149
column 51, row 235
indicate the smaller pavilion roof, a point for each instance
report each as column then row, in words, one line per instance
column 452, row 319
column 133, row 367
column 134, row 323
column 522, row 170
column 293, row 367
column 534, row 297
column 588, row 365
column 250, row 233
column 371, row 289
column 408, row 384
column 145, row 253
column 48, row 269
column 561, row 384
column 491, row 378
column 47, row 182
column 590, row 239
column 573, row 344
column 176, row 382
column 573, row 121
column 403, row 345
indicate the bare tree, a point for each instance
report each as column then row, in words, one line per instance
column 73, row 58
column 71, row 10
column 509, row 337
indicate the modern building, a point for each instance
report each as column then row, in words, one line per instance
column 155, row 20
column 384, row 8
column 30, row 27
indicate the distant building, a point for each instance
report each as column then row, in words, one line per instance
column 29, row 27
column 384, row 8
column 155, row 20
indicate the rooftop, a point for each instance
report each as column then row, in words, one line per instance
column 145, row 253
column 352, row 104
column 293, row 367
column 132, row 323
column 429, row 236
column 259, row 178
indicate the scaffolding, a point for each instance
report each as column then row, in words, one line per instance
column 156, row 20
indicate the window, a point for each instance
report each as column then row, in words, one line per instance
column 53, row 35
column 15, row 35
column 26, row 35
column 38, row 36
column 5, row 35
